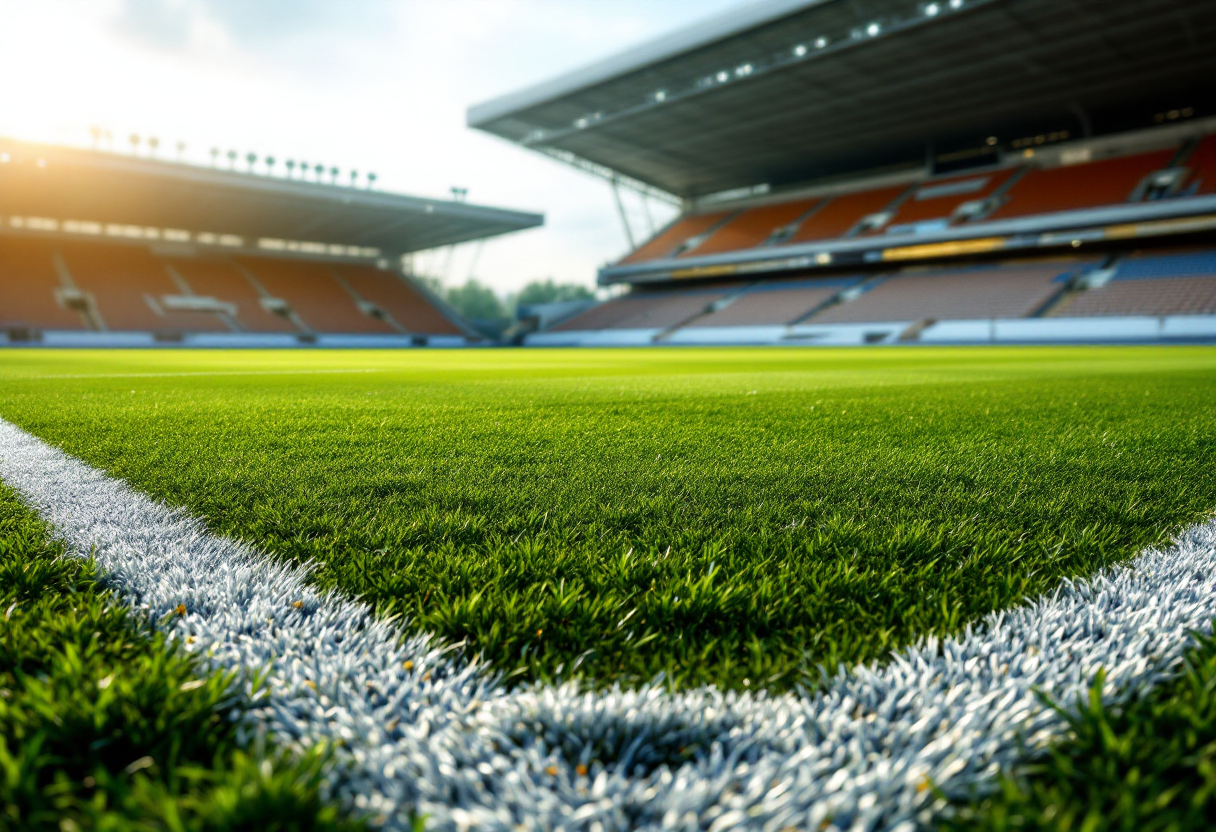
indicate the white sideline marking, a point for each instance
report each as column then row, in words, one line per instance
column 445, row 739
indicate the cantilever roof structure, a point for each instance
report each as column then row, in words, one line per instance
column 90, row 188
column 786, row 91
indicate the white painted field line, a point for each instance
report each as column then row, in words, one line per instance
column 447, row 740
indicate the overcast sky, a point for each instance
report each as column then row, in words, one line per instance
column 378, row 85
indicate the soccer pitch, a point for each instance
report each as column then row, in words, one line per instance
column 754, row 520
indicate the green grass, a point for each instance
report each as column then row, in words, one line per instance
column 104, row 726
column 1146, row 767
column 734, row 516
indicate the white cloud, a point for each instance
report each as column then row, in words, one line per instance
column 368, row 84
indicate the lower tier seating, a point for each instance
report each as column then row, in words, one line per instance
column 776, row 303
column 29, row 288
column 958, row 294
column 126, row 284
column 71, row 285
column 1179, row 283
column 646, row 310
column 404, row 304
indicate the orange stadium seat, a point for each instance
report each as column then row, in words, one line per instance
column 752, row 227
column 957, row 294
column 1087, row 185
column 315, row 295
column 843, row 212
column 27, row 287
column 1202, row 165
column 223, row 281
column 938, row 198
column 776, row 303
column 667, row 241
column 393, row 293
column 126, row 283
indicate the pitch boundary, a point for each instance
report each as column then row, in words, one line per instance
column 418, row 730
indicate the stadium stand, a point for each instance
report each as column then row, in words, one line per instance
column 220, row 279
column 670, row 241
column 1182, row 283
column 841, row 214
column 647, row 310
column 1202, row 166
column 755, row 226
column 1085, row 185
column 313, row 293
column 1011, row 291
column 776, row 302
column 401, row 302
column 127, row 285
column 30, row 293
column 938, row 199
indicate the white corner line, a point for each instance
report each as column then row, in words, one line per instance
column 420, row 732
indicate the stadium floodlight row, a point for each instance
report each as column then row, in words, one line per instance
column 811, row 140
column 99, row 248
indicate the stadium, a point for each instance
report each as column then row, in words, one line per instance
column 872, row 491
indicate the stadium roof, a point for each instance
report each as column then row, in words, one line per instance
column 785, row 91
column 69, row 184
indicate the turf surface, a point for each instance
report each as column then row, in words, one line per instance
column 733, row 516
column 104, row 726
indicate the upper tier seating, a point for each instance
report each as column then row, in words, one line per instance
column 753, row 227
column 841, row 213
column 315, row 295
column 776, row 303
column 391, row 293
column 126, row 283
column 1182, row 283
column 668, row 241
column 223, row 281
column 1202, row 165
column 646, row 310
column 1087, row 185
column 938, row 198
column 27, row 287
column 957, row 294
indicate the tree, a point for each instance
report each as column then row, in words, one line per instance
column 291, row 168
column 134, row 140
column 546, row 291
column 153, row 144
column 476, row 300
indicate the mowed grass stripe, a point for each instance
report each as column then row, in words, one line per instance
column 735, row 517
column 420, row 737
column 105, row 724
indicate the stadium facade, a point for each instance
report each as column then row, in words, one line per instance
column 104, row 249
column 902, row 171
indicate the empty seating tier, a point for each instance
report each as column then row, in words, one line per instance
column 28, row 287
column 840, row 214
column 959, row 294
column 223, row 281
column 938, row 199
column 1182, row 283
column 1087, row 185
column 1202, row 165
column 667, row 242
column 127, row 284
column 754, row 226
column 646, row 310
column 314, row 294
column 776, row 303
column 395, row 296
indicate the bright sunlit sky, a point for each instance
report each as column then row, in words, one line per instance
column 379, row 85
